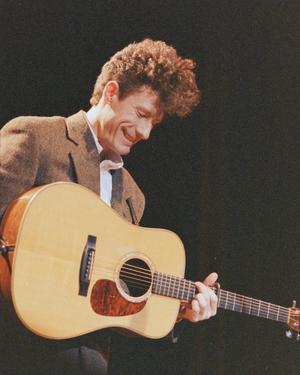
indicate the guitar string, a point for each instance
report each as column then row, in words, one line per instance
column 249, row 309
column 248, row 302
column 246, row 308
column 232, row 297
column 167, row 283
column 265, row 306
column 141, row 269
column 129, row 271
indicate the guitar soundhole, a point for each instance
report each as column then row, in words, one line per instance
column 135, row 277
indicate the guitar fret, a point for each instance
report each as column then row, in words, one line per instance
column 243, row 303
column 278, row 313
column 258, row 311
column 187, row 288
column 175, row 291
column 241, row 300
column 193, row 291
column 168, row 285
column 163, row 284
column 264, row 310
column 190, row 292
column 226, row 300
column 253, row 307
column 234, row 300
column 177, row 288
column 172, row 289
column 182, row 290
column 230, row 304
column 158, row 283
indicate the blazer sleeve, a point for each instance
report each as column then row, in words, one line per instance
column 19, row 159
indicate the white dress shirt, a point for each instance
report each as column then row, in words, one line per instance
column 110, row 162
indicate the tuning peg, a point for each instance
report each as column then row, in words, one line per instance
column 294, row 303
column 290, row 334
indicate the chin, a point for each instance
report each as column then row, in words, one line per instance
column 124, row 152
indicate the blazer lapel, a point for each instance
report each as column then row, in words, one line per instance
column 117, row 190
column 121, row 199
column 84, row 155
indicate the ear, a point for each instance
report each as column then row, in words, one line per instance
column 111, row 89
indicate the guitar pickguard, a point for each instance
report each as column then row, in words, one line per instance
column 106, row 300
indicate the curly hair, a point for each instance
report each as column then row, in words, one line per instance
column 157, row 65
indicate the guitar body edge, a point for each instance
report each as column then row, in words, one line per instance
column 52, row 235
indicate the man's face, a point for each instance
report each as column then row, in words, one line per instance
column 127, row 121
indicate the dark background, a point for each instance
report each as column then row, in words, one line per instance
column 226, row 179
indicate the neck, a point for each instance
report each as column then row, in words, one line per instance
column 92, row 116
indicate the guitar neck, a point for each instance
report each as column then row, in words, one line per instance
column 185, row 290
column 251, row 306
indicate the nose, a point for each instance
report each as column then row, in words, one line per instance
column 144, row 128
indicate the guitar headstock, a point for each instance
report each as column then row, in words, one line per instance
column 294, row 322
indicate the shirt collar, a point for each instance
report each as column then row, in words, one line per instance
column 111, row 160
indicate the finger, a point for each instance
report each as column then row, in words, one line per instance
column 213, row 303
column 195, row 311
column 202, row 288
column 203, row 306
column 202, row 301
column 211, row 279
column 207, row 299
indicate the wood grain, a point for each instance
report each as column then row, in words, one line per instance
column 106, row 300
column 49, row 227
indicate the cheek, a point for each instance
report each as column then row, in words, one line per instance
column 110, row 127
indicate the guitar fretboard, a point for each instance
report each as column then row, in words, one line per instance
column 172, row 286
column 185, row 290
column 251, row 306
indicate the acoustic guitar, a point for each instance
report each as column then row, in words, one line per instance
column 71, row 265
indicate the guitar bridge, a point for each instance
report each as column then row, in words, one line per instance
column 86, row 265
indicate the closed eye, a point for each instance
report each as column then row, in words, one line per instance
column 140, row 114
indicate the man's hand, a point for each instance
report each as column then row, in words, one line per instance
column 204, row 304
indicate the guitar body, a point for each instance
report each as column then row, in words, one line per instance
column 70, row 249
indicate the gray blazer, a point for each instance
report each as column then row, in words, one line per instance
column 41, row 150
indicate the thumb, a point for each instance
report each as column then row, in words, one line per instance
column 211, row 279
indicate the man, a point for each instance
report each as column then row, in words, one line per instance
column 136, row 88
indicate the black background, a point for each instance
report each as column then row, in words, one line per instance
column 226, row 179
